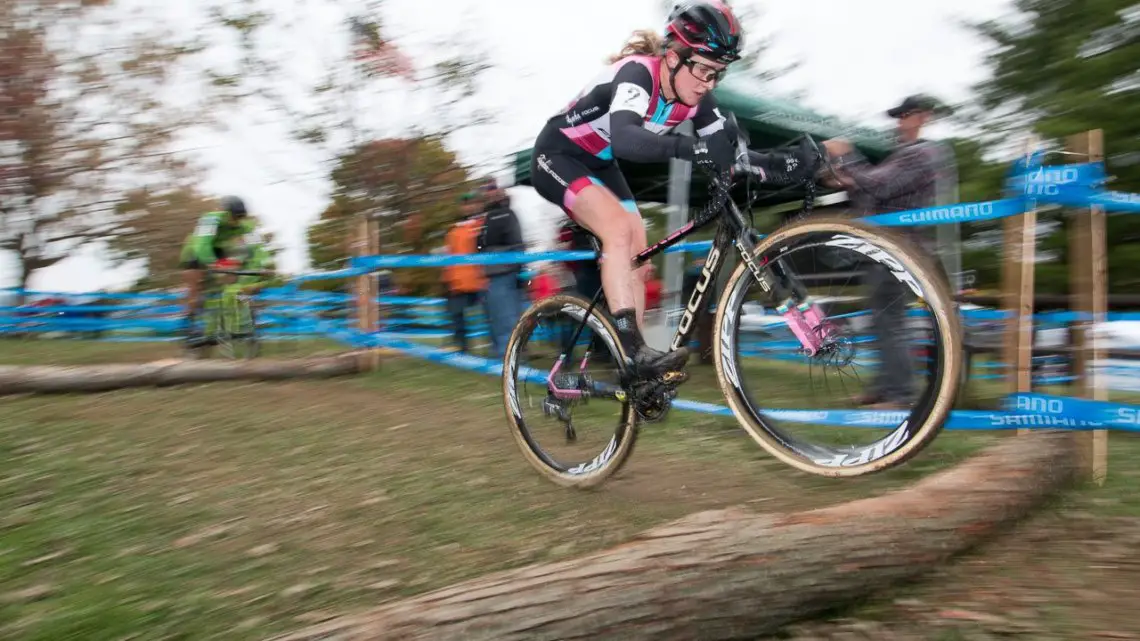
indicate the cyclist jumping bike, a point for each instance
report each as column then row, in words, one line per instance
column 628, row 113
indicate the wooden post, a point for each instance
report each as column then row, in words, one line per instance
column 1017, row 299
column 1088, row 275
column 367, row 310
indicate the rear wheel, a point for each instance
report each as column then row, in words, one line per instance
column 760, row 361
column 575, row 437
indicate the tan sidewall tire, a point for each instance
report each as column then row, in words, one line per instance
column 936, row 290
column 628, row 416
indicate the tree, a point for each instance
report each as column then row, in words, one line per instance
column 411, row 187
column 1061, row 67
column 81, row 122
column 159, row 220
column 384, row 159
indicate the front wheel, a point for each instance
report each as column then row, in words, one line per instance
column 905, row 333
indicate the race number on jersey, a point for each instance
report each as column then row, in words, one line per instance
column 630, row 97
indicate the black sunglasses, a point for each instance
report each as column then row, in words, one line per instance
column 704, row 72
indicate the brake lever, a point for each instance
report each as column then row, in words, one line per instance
column 824, row 159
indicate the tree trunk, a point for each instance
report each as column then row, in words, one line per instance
column 25, row 276
column 51, row 379
column 730, row 574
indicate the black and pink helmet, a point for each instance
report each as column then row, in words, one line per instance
column 708, row 28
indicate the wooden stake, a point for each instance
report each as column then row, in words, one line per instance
column 1017, row 298
column 1088, row 270
column 367, row 310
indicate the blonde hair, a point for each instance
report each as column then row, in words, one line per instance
column 642, row 42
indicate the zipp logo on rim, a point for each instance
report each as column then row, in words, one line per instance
column 698, row 294
column 879, row 256
column 727, row 353
column 865, row 455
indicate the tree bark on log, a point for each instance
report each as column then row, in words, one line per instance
column 53, row 379
column 730, row 574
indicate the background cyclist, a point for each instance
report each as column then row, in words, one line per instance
column 218, row 235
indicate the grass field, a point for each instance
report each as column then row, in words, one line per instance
column 239, row 510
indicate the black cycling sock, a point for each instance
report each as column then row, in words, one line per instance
column 625, row 320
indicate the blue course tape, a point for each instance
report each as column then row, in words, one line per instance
column 960, row 213
column 959, row 420
column 1117, row 201
column 1083, row 413
column 496, row 258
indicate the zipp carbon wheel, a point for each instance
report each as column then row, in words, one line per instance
column 575, row 442
column 759, row 361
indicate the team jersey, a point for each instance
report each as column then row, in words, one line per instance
column 631, row 85
column 214, row 234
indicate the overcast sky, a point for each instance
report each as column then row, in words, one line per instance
column 856, row 60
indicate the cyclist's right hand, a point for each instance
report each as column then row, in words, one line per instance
column 226, row 264
column 715, row 153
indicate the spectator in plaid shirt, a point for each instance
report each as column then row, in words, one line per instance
column 906, row 179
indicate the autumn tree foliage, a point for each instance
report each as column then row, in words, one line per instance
column 82, row 123
column 410, row 187
column 384, row 159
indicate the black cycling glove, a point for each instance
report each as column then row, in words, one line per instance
column 715, row 152
column 791, row 167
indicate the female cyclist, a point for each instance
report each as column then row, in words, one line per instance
column 628, row 113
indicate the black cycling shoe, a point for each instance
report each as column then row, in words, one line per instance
column 647, row 362
column 651, row 363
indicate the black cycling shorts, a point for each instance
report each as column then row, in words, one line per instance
column 559, row 170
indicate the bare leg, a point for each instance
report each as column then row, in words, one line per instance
column 599, row 211
column 638, row 276
column 192, row 279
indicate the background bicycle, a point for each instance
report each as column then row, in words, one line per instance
column 227, row 316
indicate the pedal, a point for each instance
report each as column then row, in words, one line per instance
column 653, row 399
column 553, row 408
column 673, row 379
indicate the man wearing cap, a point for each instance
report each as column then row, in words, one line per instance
column 501, row 233
column 906, row 179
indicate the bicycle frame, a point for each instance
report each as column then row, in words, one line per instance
column 733, row 230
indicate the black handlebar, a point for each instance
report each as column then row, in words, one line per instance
column 722, row 182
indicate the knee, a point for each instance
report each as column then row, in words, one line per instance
column 619, row 239
column 638, row 236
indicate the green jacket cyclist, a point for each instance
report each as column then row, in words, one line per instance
column 223, row 239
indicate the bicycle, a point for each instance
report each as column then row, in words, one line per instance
column 767, row 268
column 230, row 319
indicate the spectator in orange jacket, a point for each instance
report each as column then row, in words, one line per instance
column 466, row 284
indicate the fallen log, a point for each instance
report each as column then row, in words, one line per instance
column 61, row 379
column 731, row 574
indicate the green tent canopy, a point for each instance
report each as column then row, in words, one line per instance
column 770, row 121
